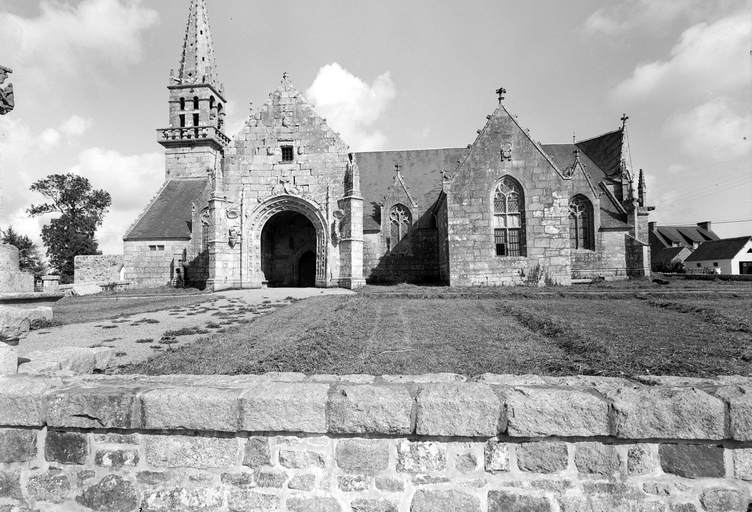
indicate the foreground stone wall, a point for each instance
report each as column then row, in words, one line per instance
column 431, row 443
column 98, row 269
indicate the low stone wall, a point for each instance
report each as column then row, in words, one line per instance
column 287, row 442
column 98, row 269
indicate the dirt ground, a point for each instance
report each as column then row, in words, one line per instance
column 137, row 337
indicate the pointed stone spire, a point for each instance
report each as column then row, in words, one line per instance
column 197, row 64
column 641, row 189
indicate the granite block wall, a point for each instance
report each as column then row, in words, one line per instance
column 419, row 265
column 98, row 269
column 287, row 442
column 150, row 263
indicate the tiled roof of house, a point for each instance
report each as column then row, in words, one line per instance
column 684, row 235
column 169, row 214
column 667, row 253
column 421, row 172
column 723, row 249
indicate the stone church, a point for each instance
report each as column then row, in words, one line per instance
column 286, row 203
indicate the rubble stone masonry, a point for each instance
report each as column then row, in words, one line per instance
column 287, row 442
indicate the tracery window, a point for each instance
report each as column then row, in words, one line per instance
column 581, row 223
column 400, row 221
column 509, row 218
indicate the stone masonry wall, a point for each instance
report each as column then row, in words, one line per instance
column 145, row 267
column 420, row 265
column 98, row 269
column 431, row 443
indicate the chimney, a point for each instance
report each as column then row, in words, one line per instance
column 704, row 225
column 652, row 226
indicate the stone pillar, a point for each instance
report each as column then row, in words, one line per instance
column 50, row 283
column 351, row 244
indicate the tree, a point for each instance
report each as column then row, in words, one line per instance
column 81, row 210
column 29, row 259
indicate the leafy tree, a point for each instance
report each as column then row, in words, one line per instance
column 81, row 210
column 29, row 259
column 669, row 267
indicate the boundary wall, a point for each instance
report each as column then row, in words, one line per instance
column 430, row 443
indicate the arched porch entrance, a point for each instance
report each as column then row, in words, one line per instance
column 287, row 243
column 288, row 250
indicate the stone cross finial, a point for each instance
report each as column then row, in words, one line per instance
column 285, row 77
column 624, row 121
column 397, row 168
column 7, row 101
column 501, row 92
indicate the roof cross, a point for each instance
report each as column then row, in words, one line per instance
column 397, row 168
column 501, row 92
column 624, row 121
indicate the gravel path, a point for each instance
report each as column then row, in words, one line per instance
column 138, row 337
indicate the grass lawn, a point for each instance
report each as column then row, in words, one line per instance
column 605, row 330
column 104, row 306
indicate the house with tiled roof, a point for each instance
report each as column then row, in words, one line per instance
column 286, row 203
column 724, row 256
column 672, row 244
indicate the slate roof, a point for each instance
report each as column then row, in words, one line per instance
column 684, row 235
column 169, row 214
column 605, row 151
column 723, row 249
column 421, row 172
column 667, row 253
column 600, row 157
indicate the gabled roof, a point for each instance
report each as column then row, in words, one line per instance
column 684, row 235
column 169, row 214
column 605, row 151
column 563, row 156
column 724, row 249
column 668, row 253
column 421, row 172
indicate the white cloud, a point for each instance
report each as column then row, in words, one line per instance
column 351, row 106
column 709, row 60
column 131, row 180
column 64, row 42
column 50, row 138
column 713, row 129
column 654, row 15
column 76, row 126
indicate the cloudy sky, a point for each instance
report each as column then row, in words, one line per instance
column 90, row 78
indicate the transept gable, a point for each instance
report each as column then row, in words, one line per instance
column 503, row 146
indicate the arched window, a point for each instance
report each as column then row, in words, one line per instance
column 400, row 221
column 509, row 218
column 182, row 103
column 581, row 223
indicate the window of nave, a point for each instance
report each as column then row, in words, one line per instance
column 400, row 221
column 509, row 218
column 581, row 229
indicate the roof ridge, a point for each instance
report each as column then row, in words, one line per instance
column 596, row 136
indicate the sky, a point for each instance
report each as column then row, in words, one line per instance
column 91, row 76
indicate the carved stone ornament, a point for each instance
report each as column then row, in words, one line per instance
column 285, row 186
column 233, row 236
column 506, row 152
column 233, row 213
column 337, row 226
column 7, row 101
column 205, row 218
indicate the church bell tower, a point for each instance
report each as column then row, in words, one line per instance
column 194, row 142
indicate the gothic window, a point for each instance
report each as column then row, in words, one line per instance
column 509, row 218
column 287, row 154
column 581, row 223
column 195, row 103
column 182, row 120
column 195, row 120
column 400, row 221
column 182, row 103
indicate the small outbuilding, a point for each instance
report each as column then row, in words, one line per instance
column 726, row 256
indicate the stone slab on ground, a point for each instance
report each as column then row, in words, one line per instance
column 77, row 360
